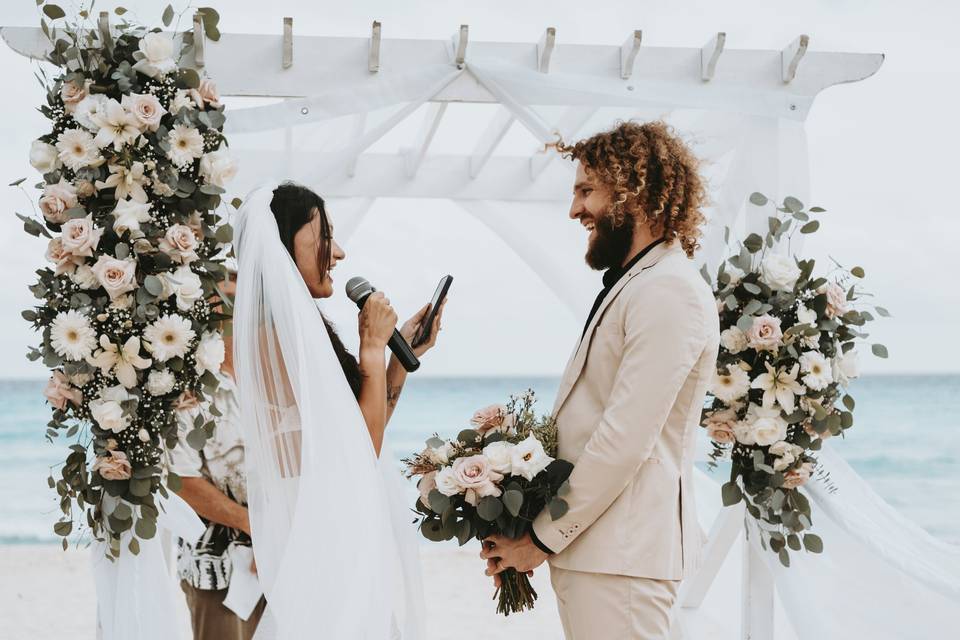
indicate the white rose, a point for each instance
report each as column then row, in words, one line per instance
column 160, row 382
column 446, row 482
column 846, row 367
column 84, row 277
column 89, row 110
column 528, row 458
column 186, row 285
column 806, row 316
column 733, row 340
column 218, row 168
column 157, row 49
column 500, row 456
column 180, row 243
column 44, row 157
column 780, row 272
column 107, row 411
column 766, row 425
column 210, row 352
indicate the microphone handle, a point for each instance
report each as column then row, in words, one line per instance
column 404, row 352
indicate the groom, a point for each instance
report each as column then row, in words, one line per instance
column 630, row 399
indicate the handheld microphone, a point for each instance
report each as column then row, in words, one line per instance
column 359, row 289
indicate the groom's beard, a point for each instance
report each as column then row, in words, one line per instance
column 611, row 245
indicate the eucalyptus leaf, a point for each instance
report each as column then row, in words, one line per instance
column 758, row 199
column 879, row 350
column 731, row 494
column 513, row 500
column 810, row 227
column 489, row 508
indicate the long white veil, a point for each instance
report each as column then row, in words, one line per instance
column 334, row 550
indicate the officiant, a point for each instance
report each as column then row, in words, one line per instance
column 217, row 571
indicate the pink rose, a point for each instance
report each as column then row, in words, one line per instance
column 145, row 108
column 765, row 334
column 71, row 94
column 66, row 262
column 59, row 392
column 56, row 200
column 186, row 401
column 80, row 237
column 180, row 243
column 206, row 93
column 719, row 426
column 113, row 466
column 427, row 484
column 836, row 300
column 116, row 276
column 797, row 477
column 474, row 475
column 493, row 418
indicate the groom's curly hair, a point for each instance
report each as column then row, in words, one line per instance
column 652, row 175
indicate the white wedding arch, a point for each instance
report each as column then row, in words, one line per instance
column 335, row 112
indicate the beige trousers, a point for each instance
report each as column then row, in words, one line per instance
column 597, row 606
column 211, row 620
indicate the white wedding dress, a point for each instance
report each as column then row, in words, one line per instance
column 335, row 552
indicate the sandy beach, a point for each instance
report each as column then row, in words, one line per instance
column 47, row 594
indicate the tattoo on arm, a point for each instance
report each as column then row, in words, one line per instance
column 393, row 394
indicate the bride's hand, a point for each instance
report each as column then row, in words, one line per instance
column 411, row 327
column 377, row 321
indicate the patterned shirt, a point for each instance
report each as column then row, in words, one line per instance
column 205, row 563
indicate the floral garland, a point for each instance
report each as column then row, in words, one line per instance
column 787, row 356
column 133, row 173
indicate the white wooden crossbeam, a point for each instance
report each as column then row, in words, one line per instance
column 373, row 58
column 569, row 125
column 287, row 60
column 791, row 56
column 496, row 130
column 628, row 53
column 545, row 49
column 431, row 122
column 710, row 54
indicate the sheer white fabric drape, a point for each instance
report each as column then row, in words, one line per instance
column 328, row 532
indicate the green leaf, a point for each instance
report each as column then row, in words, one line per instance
column 435, row 442
column 469, row 437
column 879, row 350
column 793, row 541
column 153, row 285
column 140, row 487
column 810, row 227
column 858, row 272
column 134, row 546
column 17, row 183
column 63, row 529
column 489, row 508
column 848, row 402
column 438, row 501
column 817, row 210
column 167, row 15
column 752, row 288
column 224, row 233
column 146, row 528
column 883, row 312
column 197, row 438
column 464, row 529
column 558, row 508
column 731, row 494
column 53, row 11
column 120, row 11
column 784, row 556
column 174, row 482
column 792, row 205
column 236, row 203
column 758, row 199
column 813, row 543
column 513, row 500
column 753, row 243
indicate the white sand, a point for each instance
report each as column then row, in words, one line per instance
column 47, row 594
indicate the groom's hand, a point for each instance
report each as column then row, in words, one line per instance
column 503, row 553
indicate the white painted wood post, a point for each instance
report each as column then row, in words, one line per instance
column 756, row 599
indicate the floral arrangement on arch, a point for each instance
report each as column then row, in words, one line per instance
column 788, row 352
column 134, row 168
column 494, row 478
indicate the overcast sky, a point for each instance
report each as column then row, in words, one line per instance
column 882, row 161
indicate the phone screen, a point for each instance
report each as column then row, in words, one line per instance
column 438, row 296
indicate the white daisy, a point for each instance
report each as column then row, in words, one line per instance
column 779, row 386
column 118, row 127
column 71, row 335
column 186, row 145
column 818, row 370
column 730, row 386
column 77, row 149
column 169, row 337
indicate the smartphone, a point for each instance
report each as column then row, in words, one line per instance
column 438, row 297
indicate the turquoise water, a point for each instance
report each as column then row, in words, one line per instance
column 903, row 442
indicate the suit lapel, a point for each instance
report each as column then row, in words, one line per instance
column 579, row 358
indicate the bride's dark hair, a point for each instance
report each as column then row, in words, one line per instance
column 293, row 207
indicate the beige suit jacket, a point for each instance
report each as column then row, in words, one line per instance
column 628, row 410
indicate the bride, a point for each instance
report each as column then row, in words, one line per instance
column 334, row 549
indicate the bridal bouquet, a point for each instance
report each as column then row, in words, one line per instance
column 493, row 479
column 788, row 353
column 133, row 171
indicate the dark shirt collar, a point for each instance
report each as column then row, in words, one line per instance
column 612, row 276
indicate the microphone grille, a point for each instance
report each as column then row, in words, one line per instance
column 357, row 288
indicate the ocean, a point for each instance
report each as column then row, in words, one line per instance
column 903, row 441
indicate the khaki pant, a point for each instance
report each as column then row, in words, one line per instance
column 596, row 606
column 211, row 620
